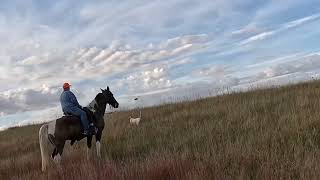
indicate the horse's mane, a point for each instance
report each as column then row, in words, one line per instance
column 97, row 105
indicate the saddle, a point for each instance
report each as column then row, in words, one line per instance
column 89, row 113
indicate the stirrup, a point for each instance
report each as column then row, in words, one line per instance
column 87, row 133
column 94, row 128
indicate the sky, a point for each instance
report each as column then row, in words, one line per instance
column 155, row 50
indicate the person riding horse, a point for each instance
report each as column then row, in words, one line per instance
column 55, row 133
column 70, row 105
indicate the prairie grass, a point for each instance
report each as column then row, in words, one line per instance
column 262, row 134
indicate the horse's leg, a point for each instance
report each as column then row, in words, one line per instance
column 56, row 157
column 89, row 143
column 98, row 144
column 72, row 141
column 57, row 153
column 54, row 153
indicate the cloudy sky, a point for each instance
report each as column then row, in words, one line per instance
column 157, row 50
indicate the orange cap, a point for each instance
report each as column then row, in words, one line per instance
column 66, row 85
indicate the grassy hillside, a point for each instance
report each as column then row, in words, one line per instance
column 263, row 134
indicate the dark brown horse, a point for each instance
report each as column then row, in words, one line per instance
column 66, row 128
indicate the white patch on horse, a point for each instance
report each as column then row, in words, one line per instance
column 98, row 147
column 57, row 158
column 52, row 127
column 91, row 105
column 88, row 153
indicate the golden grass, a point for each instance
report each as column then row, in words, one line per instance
column 263, row 134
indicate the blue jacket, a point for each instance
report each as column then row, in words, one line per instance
column 68, row 101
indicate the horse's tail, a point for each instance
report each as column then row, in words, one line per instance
column 43, row 141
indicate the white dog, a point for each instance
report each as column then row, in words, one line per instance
column 135, row 120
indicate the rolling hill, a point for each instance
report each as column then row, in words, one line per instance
column 261, row 134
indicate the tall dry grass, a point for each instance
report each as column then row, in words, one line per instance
column 263, row 134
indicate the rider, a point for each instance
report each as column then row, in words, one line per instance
column 70, row 105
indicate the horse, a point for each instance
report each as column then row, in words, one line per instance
column 68, row 127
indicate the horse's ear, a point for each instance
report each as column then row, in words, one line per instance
column 102, row 90
column 108, row 88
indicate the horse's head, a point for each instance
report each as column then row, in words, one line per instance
column 109, row 97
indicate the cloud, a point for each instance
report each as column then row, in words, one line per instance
column 247, row 30
column 277, row 60
column 305, row 64
column 27, row 118
column 146, row 81
column 91, row 63
column 212, row 72
column 258, row 37
column 22, row 100
column 217, row 79
column 284, row 27
column 301, row 21
column 184, row 40
column 289, row 69
column 34, row 60
column 148, row 70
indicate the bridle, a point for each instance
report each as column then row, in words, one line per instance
column 106, row 97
